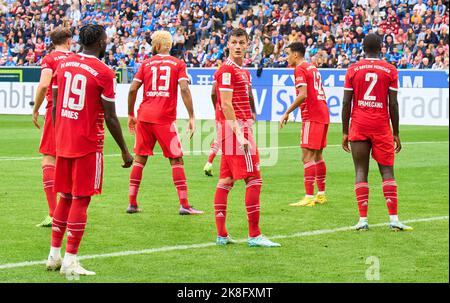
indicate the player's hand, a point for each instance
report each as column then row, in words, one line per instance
column 284, row 120
column 35, row 117
column 398, row 144
column 191, row 127
column 127, row 159
column 132, row 124
column 244, row 143
column 345, row 145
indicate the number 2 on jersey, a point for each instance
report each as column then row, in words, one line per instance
column 374, row 78
column 75, row 86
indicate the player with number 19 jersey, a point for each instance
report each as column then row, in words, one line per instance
column 370, row 80
column 314, row 109
column 82, row 82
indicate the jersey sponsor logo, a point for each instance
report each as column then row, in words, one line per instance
column 226, row 79
column 371, row 104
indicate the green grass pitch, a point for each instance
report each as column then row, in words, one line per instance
column 335, row 256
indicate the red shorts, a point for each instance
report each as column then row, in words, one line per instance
column 383, row 149
column 48, row 139
column 237, row 164
column 314, row 135
column 166, row 134
column 81, row 177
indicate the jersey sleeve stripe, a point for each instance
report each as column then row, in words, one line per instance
column 226, row 89
column 348, row 88
column 137, row 80
column 394, row 89
column 48, row 68
column 183, row 79
column 300, row 84
column 54, row 86
column 108, row 99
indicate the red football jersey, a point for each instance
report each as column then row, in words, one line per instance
column 314, row 107
column 160, row 75
column 82, row 82
column 51, row 62
column 234, row 78
column 370, row 80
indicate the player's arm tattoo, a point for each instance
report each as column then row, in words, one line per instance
column 113, row 124
column 132, row 94
column 393, row 111
column 55, row 99
column 346, row 110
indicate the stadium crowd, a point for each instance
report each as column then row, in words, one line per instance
column 414, row 32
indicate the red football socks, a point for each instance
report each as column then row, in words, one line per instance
column 252, row 204
column 309, row 177
column 321, row 171
column 390, row 193
column 179, row 180
column 220, row 208
column 135, row 181
column 362, row 197
column 48, row 179
column 76, row 223
column 60, row 219
column 213, row 151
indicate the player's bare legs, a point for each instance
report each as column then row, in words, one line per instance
column 179, row 180
column 48, row 179
column 361, row 156
column 224, row 186
column 135, row 182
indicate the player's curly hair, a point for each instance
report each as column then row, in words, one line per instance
column 90, row 34
column 163, row 39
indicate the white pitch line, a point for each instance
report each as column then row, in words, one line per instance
column 204, row 152
column 209, row 244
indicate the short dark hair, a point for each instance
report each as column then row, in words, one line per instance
column 239, row 32
column 90, row 34
column 60, row 35
column 372, row 44
column 297, row 47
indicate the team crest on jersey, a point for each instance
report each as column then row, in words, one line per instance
column 226, row 79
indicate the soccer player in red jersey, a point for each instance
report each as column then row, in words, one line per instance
column 240, row 158
column 84, row 92
column 372, row 84
column 315, row 119
column 215, row 145
column 61, row 39
column 156, row 120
